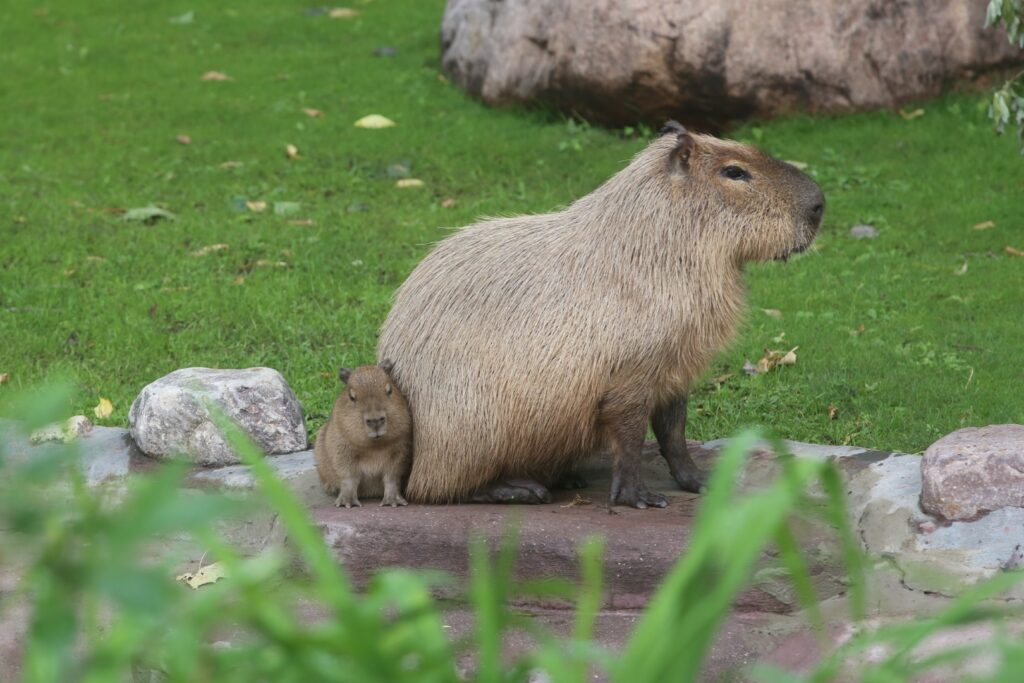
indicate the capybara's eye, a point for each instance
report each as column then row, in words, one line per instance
column 735, row 173
column 351, row 397
column 387, row 389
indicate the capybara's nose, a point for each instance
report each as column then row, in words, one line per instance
column 375, row 423
column 816, row 208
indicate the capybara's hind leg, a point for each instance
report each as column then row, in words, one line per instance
column 512, row 491
column 669, row 423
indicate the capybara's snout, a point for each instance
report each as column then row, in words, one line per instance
column 376, row 426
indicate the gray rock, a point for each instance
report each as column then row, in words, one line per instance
column 296, row 470
column 710, row 63
column 169, row 416
column 974, row 471
column 931, row 559
column 864, row 232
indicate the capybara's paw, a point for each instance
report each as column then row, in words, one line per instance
column 394, row 501
column 692, row 480
column 635, row 494
column 524, row 491
column 348, row 501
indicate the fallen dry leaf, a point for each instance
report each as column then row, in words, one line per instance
column 911, row 115
column 374, row 121
column 240, row 280
column 773, row 359
column 231, row 164
column 405, row 183
column 103, row 409
column 577, row 501
column 448, row 203
column 1014, row 252
column 302, row 221
column 5, row 377
column 211, row 573
column 313, row 113
column 984, row 225
column 291, row 151
column 210, row 248
column 343, row 13
column 772, row 312
column 256, row 206
column 215, row 76
column 961, row 270
column 184, row 139
column 833, row 412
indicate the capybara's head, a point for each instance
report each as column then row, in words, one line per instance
column 757, row 206
column 372, row 409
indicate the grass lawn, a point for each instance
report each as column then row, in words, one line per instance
column 908, row 336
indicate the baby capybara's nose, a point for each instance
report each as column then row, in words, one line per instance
column 375, row 423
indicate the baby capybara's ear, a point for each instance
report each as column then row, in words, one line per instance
column 386, row 365
column 344, row 374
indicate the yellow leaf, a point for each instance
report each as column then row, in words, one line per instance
column 1014, row 252
column 291, row 151
column 409, row 182
column 209, row 248
column 103, row 409
column 211, row 573
column 240, row 280
column 374, row 121
column 448, row 203
column 256, row 206
column 833, row 412
column 5, row 377
column 184, row 139
column 790, row 357
column 911, row 115
column 984, row 225
column 313, row 113
column 343, row 13
column 215, row 76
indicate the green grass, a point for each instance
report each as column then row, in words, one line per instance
column 94, row 94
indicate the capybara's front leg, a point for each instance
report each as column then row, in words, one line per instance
column 348, row 493
column 393, row 489
column 669, row 423
column 625, row 430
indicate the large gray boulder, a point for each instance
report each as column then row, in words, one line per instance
column 974, row 471
column 169, row 418
column 710, row 63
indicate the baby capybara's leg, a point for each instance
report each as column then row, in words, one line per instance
column 669, row 423
column 512, row 491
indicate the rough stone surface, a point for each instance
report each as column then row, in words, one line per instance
column 297, row 470
column 930, row 557
column 710, row 63
column 974, row 471
column 168, row 417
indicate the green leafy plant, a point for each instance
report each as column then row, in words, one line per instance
column 1007, row 107
column 104, row 610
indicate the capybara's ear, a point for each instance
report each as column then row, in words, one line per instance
column 386, row 365
column 344, row 374
column 672, row 127
column 681, row 153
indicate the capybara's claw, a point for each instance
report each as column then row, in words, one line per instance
column 513, row 491
column 393, row 501
column 694, row 481
column 635, row 495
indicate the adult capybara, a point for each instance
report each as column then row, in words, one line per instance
column 364, row 447
column 524, row 344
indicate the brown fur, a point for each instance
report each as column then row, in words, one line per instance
column 351, row 461
column 523, row 343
